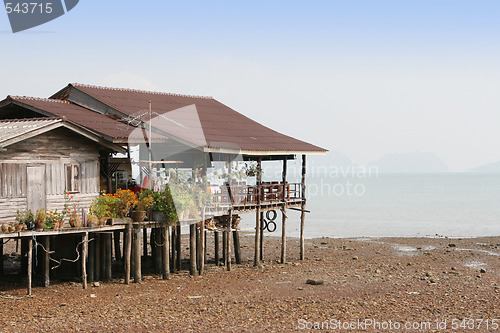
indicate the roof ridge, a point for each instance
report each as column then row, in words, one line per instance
column 15, row 120
column 140, row 91
column 29, row 98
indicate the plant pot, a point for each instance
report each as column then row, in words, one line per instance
column 18, row 227
column 5, row 228
column 30, row 225
column 39, row 225
column 75, row 221
column 12, row 228
column 92, row 221
column 102, row 221
column 57, row 225
column 158, row 216
column 138, row 215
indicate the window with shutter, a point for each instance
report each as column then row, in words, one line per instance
column 72, row 178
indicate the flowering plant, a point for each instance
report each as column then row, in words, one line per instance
column 144, row 201
column 252, row 169
column 121, row 202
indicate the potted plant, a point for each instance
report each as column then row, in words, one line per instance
column 40, row 216
column 163, row 207
column 125, row 199
column 53, row 220
column 143, row 203
column 25, row 217
column 100, row 209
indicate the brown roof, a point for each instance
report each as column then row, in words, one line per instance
column 74, row 113
column 222, row 127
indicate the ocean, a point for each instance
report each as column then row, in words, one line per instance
column 406, row 205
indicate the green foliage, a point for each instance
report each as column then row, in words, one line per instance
column 164, row 203
column 24, row 216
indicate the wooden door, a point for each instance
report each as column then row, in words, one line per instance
column 36, row 195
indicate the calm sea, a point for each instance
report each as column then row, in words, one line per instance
column 454, row 205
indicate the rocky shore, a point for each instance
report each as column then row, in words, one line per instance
column 345, row 285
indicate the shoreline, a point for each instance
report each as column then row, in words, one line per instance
column 438, row 279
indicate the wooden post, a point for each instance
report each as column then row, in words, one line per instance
column 30, row 263
column 224, row 245
column 109, row 255
column 1, row 257
column 198, row 247
column 202, row 244
column 228, row 241
column 192, row 250
column 256, row 260
column 24, row 252
column 174, row 247
column 303, row 207
column 283, row 212
column 91, row 262
column 145, row 242
column 159, row 244
column 178, row 246
column 85, row 241
column 98, row 255
column 261, row 236
column 237, row 248
column 137, row 254
column 46, row 261
column 128, row 251
column 216, row 248
column 166, row 252
column 116, row 239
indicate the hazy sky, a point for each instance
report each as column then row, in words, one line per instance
column 363, row 77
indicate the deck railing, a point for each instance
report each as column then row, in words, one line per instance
column 234, row 195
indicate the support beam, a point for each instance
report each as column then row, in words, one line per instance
column 30, row 263
column 303, row 207
column 116, row 240
column 192, row 250
column 261, row 236
column 1, row 258
column 98, row 256
column 217, row 248
column 237, row 248
column 165, row 231
column 91, row 261
column 127, row 252
column 83, row 259
column 178, row 246
column 109, row 256
column 136, row 243
column 256, row 260
column 283, row 212
column 228, row 240
column 203, row 250
column 173, row 264
column 46, row 261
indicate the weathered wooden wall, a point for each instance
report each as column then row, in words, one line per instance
column 52, row 150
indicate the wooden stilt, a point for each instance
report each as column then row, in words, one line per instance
column 159, row 243
column 198, row 247
column 91, row 261
column 237, row 248
column 228, row 241
column 178, row 246
column 224, row 246
column 303, row 206
column 104, row 256
column 174, row 247
column 261, row 236
column 216, row 248
column 137, row 254
column 256, row 260
column 46, row 261
column 145, row 242
column 24, row 252
column 205, row 252
column 109, row 256
column 30, row 263
column 192, row 250
column 283, row 213
column 202, row 245
column 116, row 240
column 1, row 258
column 166, row 252
column 127, row 252
column 83, row 259
column 98, row 256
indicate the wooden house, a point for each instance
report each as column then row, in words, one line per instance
column 41, row 159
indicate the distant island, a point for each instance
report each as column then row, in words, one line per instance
column 487, row 168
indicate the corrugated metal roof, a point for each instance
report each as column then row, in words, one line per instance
column 223, row 127
column 10, row 129
column 74, row 113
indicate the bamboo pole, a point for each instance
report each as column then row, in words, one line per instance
column 30, row 263
column 192, row 250
column 137, row 254
column 303, row 206
column 127, row 251
column 256, row 260
column 46, row 261
column 166, row 252
column 283, row 212
column 83, row 259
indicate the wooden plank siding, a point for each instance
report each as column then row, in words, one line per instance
column 54, row 151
